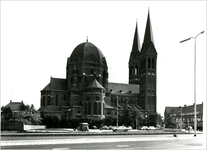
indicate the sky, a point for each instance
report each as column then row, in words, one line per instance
column 37, row 37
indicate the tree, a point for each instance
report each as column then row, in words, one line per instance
column 138, row 116
column 125, row 118
column 6, row 113
column 27, row 115
column 155, row 119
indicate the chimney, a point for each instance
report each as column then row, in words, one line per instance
column 10, row 101
column 185, row 105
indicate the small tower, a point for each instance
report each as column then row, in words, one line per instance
column 148, row 70
column 134, row 65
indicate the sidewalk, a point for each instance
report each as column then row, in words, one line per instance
column 96, row 140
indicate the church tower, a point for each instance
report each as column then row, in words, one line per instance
column 134, row 65
column 148, row 71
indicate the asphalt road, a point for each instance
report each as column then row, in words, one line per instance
column 129, row 142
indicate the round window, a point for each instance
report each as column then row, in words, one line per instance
column 97, row 98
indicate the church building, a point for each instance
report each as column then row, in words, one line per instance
column 86, row 92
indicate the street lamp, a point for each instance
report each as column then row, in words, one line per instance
column 195, row 127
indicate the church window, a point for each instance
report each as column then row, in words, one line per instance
column 64, row 97
column 149, row 62
column 87, row 99
column 99, row 108
column 43, row 101
column 79, row 79
column 56, row 100
column 103, row 108
column 86, row 108
column 95, row 108
column 48, row 100
column 86, row 79
column 108, row 113
column 89, row 108
column 136, row 70
column 97, row 98
column 130, row 71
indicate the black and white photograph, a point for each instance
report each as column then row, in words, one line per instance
column 103, row 75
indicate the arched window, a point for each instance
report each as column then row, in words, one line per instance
column 149, row 62
column 64, row 97
column 86, row 108
column 103, row 108
column 99, row 108
column 153, row 63
column 43, row 101
column 89, row 108
column 95, row 108
column 144, row 63
column 136, row 70
column 130, row 70
column 56, row 100
column 48, row 100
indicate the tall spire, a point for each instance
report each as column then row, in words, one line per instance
column 136, row 43
column 148, row 36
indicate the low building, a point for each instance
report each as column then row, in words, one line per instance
column 176, row 117
column 15, row 106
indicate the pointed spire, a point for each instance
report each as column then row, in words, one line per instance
column 148, row 36
column 136, row 43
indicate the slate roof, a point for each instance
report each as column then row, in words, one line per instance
column 186, row 110
column 49, row 108
column 14, row 105
column 148, row 36
column 56, row 84
column 136, row 45
column 95, row 84
column 134, row 88
column 86, row 49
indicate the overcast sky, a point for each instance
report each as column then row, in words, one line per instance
column 38, row 36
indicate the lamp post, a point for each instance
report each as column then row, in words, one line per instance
column 195, row 122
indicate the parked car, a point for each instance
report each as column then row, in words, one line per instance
column 151, row 128
column 104, row 128
column 94, row 127
column 129, row 127
column 112, row 127
column 83, row 126
column 144, row 128
column 121, row 129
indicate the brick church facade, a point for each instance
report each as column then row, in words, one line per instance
column 86, row 91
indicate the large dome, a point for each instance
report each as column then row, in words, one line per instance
column 86, row 50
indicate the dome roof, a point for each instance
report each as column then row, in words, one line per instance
column 86, row 51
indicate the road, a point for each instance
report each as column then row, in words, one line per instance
column 129, row 142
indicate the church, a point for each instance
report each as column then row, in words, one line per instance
column 86, row 92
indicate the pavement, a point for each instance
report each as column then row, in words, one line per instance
column 94, row 140
column 68, row 132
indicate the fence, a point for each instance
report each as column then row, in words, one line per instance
column 19, row 126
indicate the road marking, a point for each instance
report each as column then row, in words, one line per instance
column 122, row 146
column 59, row 148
